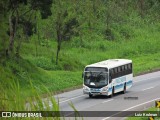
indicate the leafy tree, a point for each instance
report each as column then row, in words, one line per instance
column 64, row 22
column 3, row 26
column 19, row 14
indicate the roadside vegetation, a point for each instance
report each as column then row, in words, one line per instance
column 46, row 50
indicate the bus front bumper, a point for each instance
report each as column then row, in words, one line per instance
column 95, row 93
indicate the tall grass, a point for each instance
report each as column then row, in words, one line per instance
column 142, row 47
column 143, row 39
column 13, row 100
column 23, row 80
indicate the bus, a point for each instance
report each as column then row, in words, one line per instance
column 107, row 77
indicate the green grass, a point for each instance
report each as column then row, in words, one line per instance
column 13, row 99
column 35, row 75
column 56, row 81
column 75, row 55
column 37, row 62
column 24, row 72
column 38, row 65
column 22, row 82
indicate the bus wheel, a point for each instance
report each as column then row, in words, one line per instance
column 90, row 95
column 124, row 90
column 112, row 93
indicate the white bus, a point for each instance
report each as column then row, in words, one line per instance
column 107, row 77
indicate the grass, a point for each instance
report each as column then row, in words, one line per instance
column 24, row 72
column 75, row 55
column 35, row 72
column 37, row 62
column 35, row 75
column 13, row 100
column 56, row 81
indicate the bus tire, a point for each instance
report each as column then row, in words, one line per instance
column 124, row 89
column 112, row 93
column 90, row 95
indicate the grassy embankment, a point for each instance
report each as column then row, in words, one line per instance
column 143, row 47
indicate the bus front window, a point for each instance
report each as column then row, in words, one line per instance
column 97, row 79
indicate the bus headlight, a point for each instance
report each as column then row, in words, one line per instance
column 104, row 88
column 85, row 88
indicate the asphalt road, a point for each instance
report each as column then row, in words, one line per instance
column 142, row 95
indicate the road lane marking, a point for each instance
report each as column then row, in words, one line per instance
column 90, row 106
column 147, row 88
column 107, row 100
column 146, row 79
column 131, row 108
column 68, row 99
column 71, row 99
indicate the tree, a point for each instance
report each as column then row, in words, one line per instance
column 3, row 28
column 19, row 14
column 63, row 21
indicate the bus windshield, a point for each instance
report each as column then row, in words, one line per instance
column 95, row 79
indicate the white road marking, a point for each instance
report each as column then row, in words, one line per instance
column 147, row 88
column 111, row 99
column 68, row 99
column 146, row 79
column 107, row 100
column 131, row 108
column 71, row 99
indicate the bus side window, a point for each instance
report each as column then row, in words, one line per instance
column 119, row 69
column 126, row 67
column 111, row 75
column 110, row 78
column 123, row 68
column 116, row 70
column 129, row 66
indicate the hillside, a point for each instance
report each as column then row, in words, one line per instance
column 143, row 49
column 89, row 32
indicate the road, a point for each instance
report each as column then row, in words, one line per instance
column 144, row 92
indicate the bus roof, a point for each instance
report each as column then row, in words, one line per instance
column 111, row 63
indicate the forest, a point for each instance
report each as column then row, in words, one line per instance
column 45, row 44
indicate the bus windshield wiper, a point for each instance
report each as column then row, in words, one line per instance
column 99, row 74
column 91, row 74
